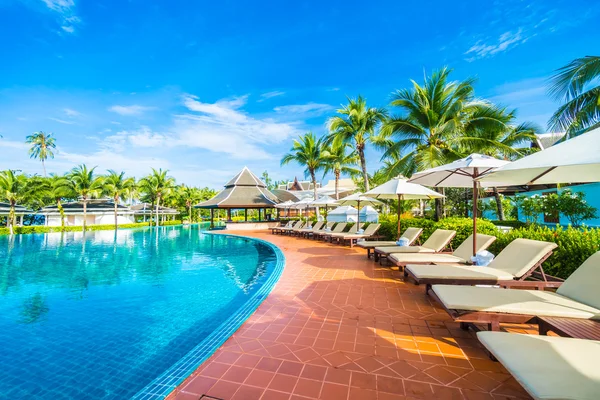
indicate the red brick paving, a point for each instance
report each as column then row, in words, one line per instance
column 339, row 326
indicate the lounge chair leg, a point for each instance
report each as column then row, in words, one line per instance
column 464, row 326
column 368, row 253
column 494, row 326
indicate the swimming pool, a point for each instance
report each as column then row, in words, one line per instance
column 126, row 314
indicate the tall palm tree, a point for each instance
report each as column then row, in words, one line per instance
column 12, row 189
column 157, row 185
column 434, row 119
column 339, row 161
column 86, row 185
column 42, row 146
column 577, row 85
column 189, row 195
column 58, row 188
column 117, row 186
column 356, row 124
column 309, row 152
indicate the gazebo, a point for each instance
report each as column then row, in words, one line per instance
column 243, row 192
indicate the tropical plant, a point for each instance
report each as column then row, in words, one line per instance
column 58, row 188
column 13, row 189
column 42, row 147
column 157, row 186
column 570, row 204
column 309, row 152
column 189, row 195
column 356, row 124
column 339, row 161
column 532, row 207
column 86, row 185
column 434, row 123
column 117, row 186
column 577, row 84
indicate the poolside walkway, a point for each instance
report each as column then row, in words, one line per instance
column 338, row 326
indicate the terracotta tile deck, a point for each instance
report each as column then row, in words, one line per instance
column 338, row 326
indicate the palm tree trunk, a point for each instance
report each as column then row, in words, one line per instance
column 116, row 223
column 190, row 213
column 363, row 166
column 438, row 206
column 84, row 213
column 499, row 205
column 11, row 217
column 337, row 184
column 44, row 167
column 61, row 210
column 157, row 205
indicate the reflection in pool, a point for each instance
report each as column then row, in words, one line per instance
column 101, row 316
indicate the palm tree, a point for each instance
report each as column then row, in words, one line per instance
column 42, row 146
column 83, row 182
column 12, row 189
column 577, row 84
column 116, row 185
column 58, row 188
column 339, row 161
column 189, row 195
column 310, row 152
column 434, row 120
column 157, row 185
column 356, row 124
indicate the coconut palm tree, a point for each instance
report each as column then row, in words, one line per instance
column 13, row 188
column 577, row 85
column 434, row 120
column 309, row 152
column 189, row 195
column 42, row 147
column 356, row 124
column 117, row 186
column 86, row 185
column 58, row 188
column 339, row 161
column 157, row 186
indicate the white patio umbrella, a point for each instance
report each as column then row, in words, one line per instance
column 324, row 201
column 401, row 189
column 302, row 204
column 461, row 173
column 285, row 205
column 356, row 199
column 574, row 160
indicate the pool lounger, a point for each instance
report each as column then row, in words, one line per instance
column 435, row 243
column 412, row 234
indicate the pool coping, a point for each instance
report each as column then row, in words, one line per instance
column 166, row 382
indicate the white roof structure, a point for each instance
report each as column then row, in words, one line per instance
column 368, row 214
column 575, row 160
column 459, row 173
column 343, row 214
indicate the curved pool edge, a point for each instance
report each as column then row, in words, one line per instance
column 169, row 380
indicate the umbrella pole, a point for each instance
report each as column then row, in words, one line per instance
column 475, row 187
column 358, row 219
column 399, row 214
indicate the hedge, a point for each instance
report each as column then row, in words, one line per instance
column 51, row 229
column 510, row 223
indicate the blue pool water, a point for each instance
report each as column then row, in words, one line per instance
column 103, row 316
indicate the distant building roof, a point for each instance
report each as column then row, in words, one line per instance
column 545, row 140
column 245, row 190
column 5, row 209
column 284, row 195
column 149, row 209
column 94, row 206
column 297, row 185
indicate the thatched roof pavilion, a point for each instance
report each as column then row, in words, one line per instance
column 244, row 191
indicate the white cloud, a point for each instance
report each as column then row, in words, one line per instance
column 71, row 113
column 505, row 41
column 130, row 110
column 270, row 95
column 62, row 121
column 66, row 11
column 313, row 108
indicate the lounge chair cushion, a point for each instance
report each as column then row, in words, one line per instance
column 521, row 255
column 465, row 250
column 412, row 234
column 458, row 272
column 423, row 258
column 512, row 301
column 582, row 285
column 404, row 249
column 375, row 243
column 548, row 367
column 439, row 239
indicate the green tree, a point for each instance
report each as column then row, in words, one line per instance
column 356, row 124
column 117, row 186
column 339, row 161
column 86, row 185
column 189, row 195
column 42, row 147
column 577, row 84
column 13, row 188
column 157, row 185
column 434, row 122
column 58, row 188
column 309, row 152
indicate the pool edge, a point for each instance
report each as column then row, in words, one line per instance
column 168, row 381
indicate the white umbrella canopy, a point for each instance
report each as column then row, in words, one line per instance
column 461, row 173
column 401, row 189
column 324, row 201
column 285, row 204
column 574, row 160
column 357, row 199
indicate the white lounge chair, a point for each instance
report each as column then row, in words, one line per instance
column 411, row 234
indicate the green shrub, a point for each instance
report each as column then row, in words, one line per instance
column 511, row 223
column 389, row 226
column 464, row 228
column 574, row 246
column 51, row 229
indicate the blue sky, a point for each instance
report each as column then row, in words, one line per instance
column 204, row 88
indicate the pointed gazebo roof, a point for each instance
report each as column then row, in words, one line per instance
column 245, row 190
